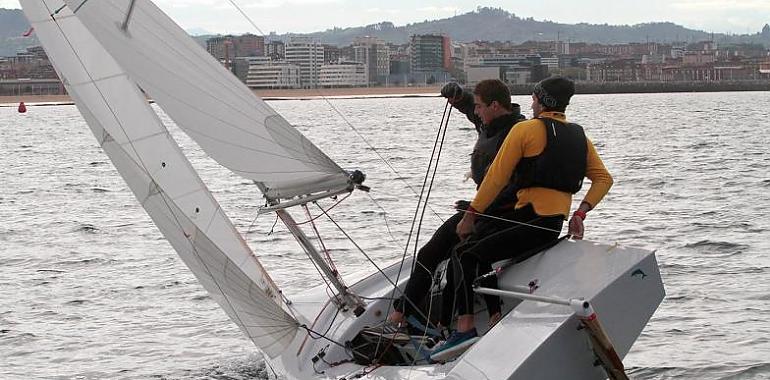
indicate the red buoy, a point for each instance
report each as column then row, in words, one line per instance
column 22, row 107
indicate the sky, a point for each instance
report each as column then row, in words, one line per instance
column 304, row 16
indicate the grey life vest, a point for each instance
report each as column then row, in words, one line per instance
column 490, row 139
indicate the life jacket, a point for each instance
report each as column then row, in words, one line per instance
column 490, row 139
column 562, row 164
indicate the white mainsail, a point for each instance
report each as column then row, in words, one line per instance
column 220, row 113
column 160, row 176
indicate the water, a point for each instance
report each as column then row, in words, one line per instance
column 89, row 289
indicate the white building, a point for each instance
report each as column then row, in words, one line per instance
column 551, row 62
column 478, row 74
column 344, row 74
column 308, row 54
column 264, row 73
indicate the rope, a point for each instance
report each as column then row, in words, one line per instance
column 445, row 116
column 368, row 258
column 368, row 144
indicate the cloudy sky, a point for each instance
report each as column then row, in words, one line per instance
column 281, row 16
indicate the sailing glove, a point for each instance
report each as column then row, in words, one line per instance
column 451, row 90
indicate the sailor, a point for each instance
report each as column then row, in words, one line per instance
column 492, row 127
column 540, row 165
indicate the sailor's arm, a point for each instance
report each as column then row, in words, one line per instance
column 497, row 177
column 601, row 182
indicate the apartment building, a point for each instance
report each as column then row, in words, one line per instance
column 308, row 54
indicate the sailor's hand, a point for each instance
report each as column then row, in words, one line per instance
column 452, row 91
column 576, row 227
column 465, row 227
column 462, row 205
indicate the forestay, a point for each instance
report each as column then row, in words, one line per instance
column 220, row 113
column 165, row 183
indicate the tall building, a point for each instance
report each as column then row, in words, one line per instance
column 375, row 54
column 221, row 47
column 332, row 54
column 430, row 52
column 249, row 45
column 308, row 54
column 276, row 50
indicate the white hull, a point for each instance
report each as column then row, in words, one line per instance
column 534, row 341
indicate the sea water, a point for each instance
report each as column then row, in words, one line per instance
column 89, row 289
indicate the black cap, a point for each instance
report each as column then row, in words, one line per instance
column 554, row 92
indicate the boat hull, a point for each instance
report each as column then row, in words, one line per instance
column 534, row 340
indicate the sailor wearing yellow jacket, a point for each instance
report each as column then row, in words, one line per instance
column 540, row 165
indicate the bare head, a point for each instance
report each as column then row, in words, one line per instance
column 491, row 99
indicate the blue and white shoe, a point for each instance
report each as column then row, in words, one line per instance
column 454, row 346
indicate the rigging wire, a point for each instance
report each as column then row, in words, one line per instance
column 433, row 178
column 368, row 258
column 350, row 125
column 385, row 219
column 321, row 242
column 443, row 125
column 373, row 149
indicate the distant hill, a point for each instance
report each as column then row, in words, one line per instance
column 495, row 24
column 12, row 25
column 490, row 24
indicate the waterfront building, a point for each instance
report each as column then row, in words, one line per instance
column 620, row 70
column 249, row 45
column 375, row 54
column 308, row 54
column 343, row 74
column 429, row 52
column 275, row 50
column 332, row 54
column 551, row 62
column 479, row 73
column 226, row 48
column 266, row 74
column 698, row 57
column 510, row 68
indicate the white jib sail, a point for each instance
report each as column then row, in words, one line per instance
column 160, row 176
column 230, row 123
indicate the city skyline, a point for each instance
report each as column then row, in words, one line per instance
column 282, row 16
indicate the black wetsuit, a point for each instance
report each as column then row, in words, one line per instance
column 443, row 241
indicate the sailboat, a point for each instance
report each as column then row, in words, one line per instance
column 112, row 54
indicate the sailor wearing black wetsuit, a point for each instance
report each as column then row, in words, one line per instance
column 439, row 247
column 542, row 162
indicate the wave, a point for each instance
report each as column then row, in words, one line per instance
column 714, row 372
column 718, row 247
column 87, row 228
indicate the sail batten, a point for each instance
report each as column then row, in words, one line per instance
column 162, row 179
column 225, row 118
